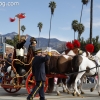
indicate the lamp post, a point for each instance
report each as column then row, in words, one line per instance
column 19, row 16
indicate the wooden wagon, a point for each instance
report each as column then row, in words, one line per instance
column 14, row 84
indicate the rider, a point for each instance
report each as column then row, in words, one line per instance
column 31, row 49
column 8, row 62
column 19, row 54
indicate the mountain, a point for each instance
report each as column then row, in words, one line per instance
column 43, row 42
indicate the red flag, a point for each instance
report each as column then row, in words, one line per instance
column 20, row 16
column 12, row 19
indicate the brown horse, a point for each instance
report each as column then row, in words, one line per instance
column 61, row 65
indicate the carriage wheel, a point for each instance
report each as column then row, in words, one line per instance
column 11, row 90
column 8, row 79
column 30, row 83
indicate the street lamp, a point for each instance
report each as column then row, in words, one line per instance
column 19, row 16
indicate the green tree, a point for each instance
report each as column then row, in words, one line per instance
column 52, row 6
column 80, row 30
column 40, row 25
column 95, row 42
column 13, row 41
column 74, row 26
column 23, row 28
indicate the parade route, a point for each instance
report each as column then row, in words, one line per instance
column 22, row 94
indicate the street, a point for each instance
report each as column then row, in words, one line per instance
column 22, row 94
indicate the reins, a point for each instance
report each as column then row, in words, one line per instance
column 82, row 71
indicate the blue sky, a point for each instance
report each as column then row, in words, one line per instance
column 38, row 11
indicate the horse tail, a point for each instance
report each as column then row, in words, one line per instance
column 50, row 85
column 76, row 61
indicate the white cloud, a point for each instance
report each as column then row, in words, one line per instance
column 65, row 28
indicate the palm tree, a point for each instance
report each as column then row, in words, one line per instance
column 74, row 26
column 84, row 2
column 91, row 20
column 80, row 30
column 23, row 28
column 40, row 25
column 52, row 6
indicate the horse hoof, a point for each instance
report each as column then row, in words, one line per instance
column 65, row 91
column 82, row 92
column 60, row 84
column 74, row 94
column 79, row 95
column 48, row 91
column 91, row 90
column 99, row 93
column 58, row 94
column 68, row 92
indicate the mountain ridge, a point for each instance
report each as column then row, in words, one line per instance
column 43, row 42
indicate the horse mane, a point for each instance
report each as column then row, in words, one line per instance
column 69, row 52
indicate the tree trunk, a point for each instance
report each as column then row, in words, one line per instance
column 49, row 31
column 22, row 32
column 81, row 12
column 74, row 35
column 79, row 36
column 38, row 38
column 91, row 19
column 80, row 20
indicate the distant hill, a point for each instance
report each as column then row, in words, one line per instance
column 43, row 42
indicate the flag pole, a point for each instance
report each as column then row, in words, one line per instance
column 19, row 29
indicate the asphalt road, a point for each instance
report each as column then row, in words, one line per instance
column 22, row 94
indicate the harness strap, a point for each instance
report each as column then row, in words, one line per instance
column 96, row 66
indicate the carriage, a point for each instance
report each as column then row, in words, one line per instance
column 13, row 83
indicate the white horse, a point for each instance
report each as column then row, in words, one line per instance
column 83, row 65
column 82, row 78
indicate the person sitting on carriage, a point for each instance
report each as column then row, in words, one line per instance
column 31, row 49
column 38, row 70
column 8, row 62
column 19, row 54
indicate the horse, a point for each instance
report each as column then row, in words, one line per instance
column 68, row 54
column 84, row 66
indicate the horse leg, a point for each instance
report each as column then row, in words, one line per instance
column 76, row 91
column 81, row 84
column 99, row 82
column 92, row 89
column 50, row 85
column 57, row 85
column 65, row 88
